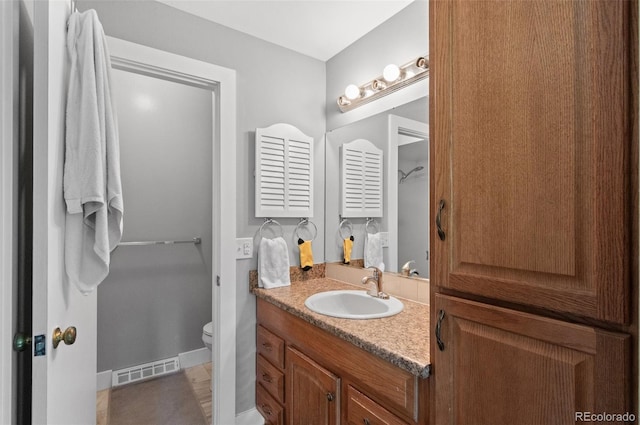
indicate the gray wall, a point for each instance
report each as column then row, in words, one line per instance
column 156, row 298
column 274, row 85
column 400, row 39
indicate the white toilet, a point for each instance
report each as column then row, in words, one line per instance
column 207, row 338
column 207, row 335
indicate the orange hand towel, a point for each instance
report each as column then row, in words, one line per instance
column 306, row 254
column 347, row 246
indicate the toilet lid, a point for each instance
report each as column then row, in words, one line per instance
column 208, row 329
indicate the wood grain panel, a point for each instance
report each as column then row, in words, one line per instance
column 270, row 378
column 505, row 366
column 270, row 346
column 312, row 391
column 362, row 410
column 531, row 139
column 270, row 410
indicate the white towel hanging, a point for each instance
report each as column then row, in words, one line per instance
column 92, row 186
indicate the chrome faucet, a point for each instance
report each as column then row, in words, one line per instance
column 376, row 290
column 407, row 270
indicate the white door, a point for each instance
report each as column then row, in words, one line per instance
column 64, row 379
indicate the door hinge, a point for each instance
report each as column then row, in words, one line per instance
column 217, row 280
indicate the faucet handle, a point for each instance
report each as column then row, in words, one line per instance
column 376, row 271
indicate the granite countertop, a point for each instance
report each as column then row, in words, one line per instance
column 402, row 340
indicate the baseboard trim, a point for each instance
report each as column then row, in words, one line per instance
column 187, row 359
column 104, row 380
column 249, row 417
column 194, row 358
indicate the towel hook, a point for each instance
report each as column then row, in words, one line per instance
column 305, row 222
column 372, row 221
column 345, row 224
column 268, row 221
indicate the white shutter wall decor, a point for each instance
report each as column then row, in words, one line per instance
column 361, row 179
column 284, row 172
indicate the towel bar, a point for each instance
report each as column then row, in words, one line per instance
column 195, row 241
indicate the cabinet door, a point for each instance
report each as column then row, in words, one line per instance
column 501, row 366
column 531, row 118
column 361, row 410
column 311, row 391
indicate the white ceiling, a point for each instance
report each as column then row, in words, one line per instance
column 317, row 28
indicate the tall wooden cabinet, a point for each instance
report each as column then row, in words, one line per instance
column 534, row 141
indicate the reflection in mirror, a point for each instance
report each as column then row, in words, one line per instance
column 413, row 206
column 402, row 134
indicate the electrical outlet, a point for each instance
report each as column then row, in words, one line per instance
column 384, row 239
column 244, row 248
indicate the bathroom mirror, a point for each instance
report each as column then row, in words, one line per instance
column 402, row 134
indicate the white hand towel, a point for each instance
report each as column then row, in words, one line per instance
column 273, row 263
column 373, row 251
column 92, row 186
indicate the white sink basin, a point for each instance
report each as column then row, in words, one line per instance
column 349, row 304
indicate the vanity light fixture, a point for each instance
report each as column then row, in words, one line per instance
column 393, row 78
column 391, row 72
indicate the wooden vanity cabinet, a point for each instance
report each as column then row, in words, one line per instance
column 328, row 380
column 534, row 141
column 312, row 395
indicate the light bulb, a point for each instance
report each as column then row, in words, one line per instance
column 391, row 73
column 352, row 92
column 343, row 101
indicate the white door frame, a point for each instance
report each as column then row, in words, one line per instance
column 8, row 88
column 130, row 56
column 398, row 125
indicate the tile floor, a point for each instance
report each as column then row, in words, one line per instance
column 199, row 378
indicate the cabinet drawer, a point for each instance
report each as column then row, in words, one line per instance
column 271, row 347
column 361, row 410
column 272, row 412
column 271, row 378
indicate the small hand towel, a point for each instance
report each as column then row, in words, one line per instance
column 347, row 246
column 373, row 251
column 273, row 263
column 92, row 186
column 306, row 254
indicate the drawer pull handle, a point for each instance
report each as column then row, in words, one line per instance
column 366, row 421
column 267, row 409
column 331, row 397
column 441, row 234
column 266, row 377
column 267, row 346
column 438, row 330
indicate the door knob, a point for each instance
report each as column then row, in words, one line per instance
column 21, row 342
column 68, row 336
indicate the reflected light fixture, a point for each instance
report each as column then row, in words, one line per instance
column 391, row 72
column 393, row 78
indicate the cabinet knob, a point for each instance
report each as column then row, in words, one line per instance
column 366, row 421
column 331, row 396
column 267, row 409
column 266, row 377
column 267, row 346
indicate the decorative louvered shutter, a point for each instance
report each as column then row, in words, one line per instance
column 284, row 172
column 361, row 179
